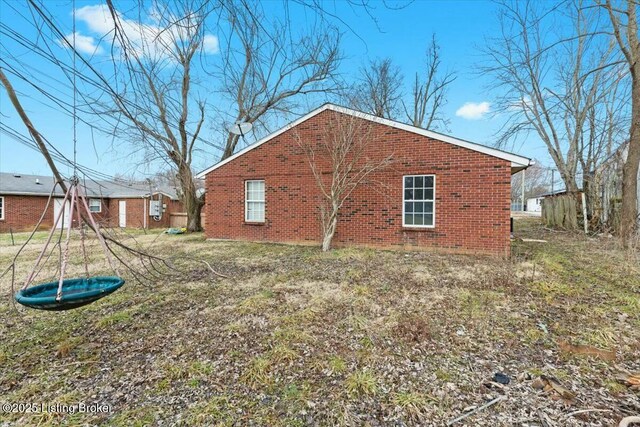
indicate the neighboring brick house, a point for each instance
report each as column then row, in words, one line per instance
column 23, row 199
column 461, row 189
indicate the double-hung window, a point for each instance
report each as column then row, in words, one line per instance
column 95, row 205
column 418, row 208
column 1, row 207
column 254, row 201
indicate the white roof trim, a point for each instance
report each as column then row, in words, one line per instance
column 139, row 196
column 516, row 160
column 89, row 196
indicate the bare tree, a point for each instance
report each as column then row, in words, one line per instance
column 625, row 29
column 605, row 128
column 429, row 92
column 264, row 71
column 148, row 265
column 341, row 161
column 537, row 181
column 379, row 91
column 154, row 104
column 548, row 88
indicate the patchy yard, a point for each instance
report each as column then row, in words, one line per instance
column 350, row 337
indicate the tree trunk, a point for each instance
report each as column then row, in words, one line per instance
column 569, row 179
column 230, row 146
column 194, row 217
column 329, row 229
column 192, row 203
column 629, row 209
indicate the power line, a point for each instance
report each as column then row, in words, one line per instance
column 100, row 84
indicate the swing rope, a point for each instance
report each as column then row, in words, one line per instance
column 64, row 294
column 81, row 291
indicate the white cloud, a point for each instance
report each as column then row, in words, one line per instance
column 523, row 104
column 473, row 110
column 144, row 39
column 98, row 18
column 84, row 44
column 210, row 44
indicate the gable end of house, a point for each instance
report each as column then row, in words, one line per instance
column 518, row 162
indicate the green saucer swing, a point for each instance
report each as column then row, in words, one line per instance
column 66, row 294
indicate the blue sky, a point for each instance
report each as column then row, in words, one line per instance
column 402, row 35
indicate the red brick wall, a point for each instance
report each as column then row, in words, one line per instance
column 21, row 213
column 472, row 195
column 135, row 212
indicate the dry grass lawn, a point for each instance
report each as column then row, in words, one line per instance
column 349, row 337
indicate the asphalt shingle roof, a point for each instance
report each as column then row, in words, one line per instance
column 40, row 185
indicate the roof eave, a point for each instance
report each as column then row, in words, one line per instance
column 516, row 160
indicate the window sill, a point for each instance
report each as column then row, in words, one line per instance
column 423, row 229
column 254, row 223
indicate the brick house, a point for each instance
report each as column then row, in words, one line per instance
column 23, row 199
column 440, row 192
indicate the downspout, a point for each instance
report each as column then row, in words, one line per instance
column 144, row 212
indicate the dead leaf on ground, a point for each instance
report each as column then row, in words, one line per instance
column 631, row 380
column 553, row 387
column 586, row 350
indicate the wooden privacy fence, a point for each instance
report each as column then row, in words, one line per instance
column 179, row 219
column 561, row 211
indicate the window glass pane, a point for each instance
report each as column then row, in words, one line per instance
column 428, row 207
column 94, row 205
column 419, row 200
column 408, row 182
column 254, row 196
column 260, row 211
column 428, row 194
column 408, row 219
column 408, row 207
column 428, row 219
column 258, row 188
column 255, row 187
column 255, row 211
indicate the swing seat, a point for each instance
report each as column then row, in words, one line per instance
column 75, row 293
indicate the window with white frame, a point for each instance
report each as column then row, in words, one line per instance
column 95, row 205
column 1, row 207
column 254, row 201
column 418, row 209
